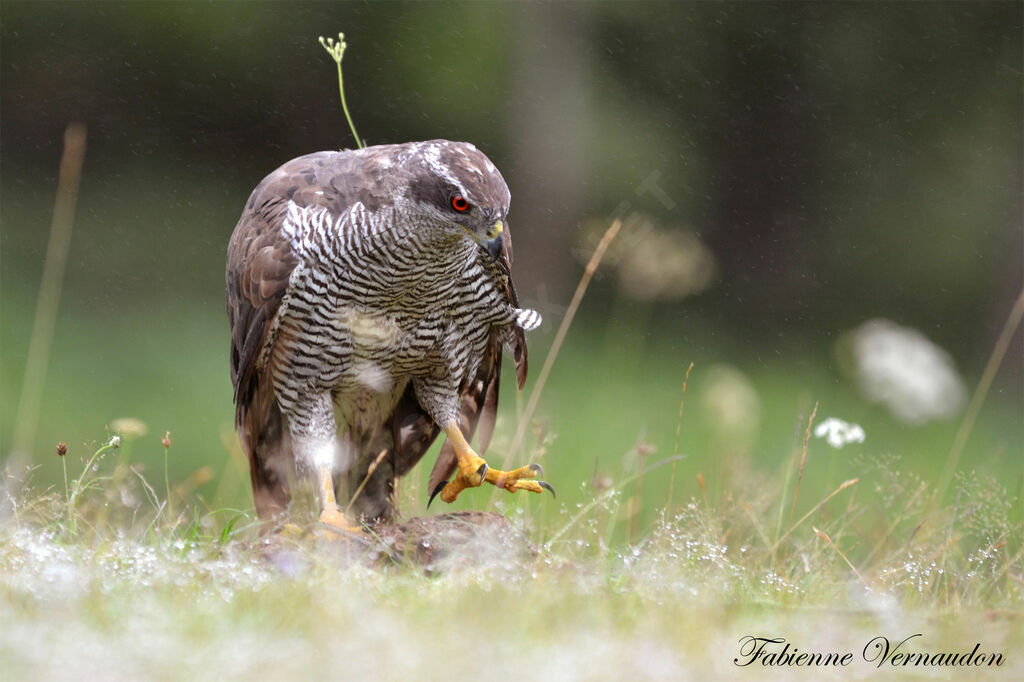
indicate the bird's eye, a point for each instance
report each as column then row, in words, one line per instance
column 459, row 203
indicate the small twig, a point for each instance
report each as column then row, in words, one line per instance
column 790, row 464
column 362, row 484
column 636, row 503
column 702, row 484
column 675, row 448
column 62, row 453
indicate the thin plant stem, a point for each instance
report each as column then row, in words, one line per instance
column 64, row 465
column 636, row 503
column 824, row 536
column 675, row 448
column 803, row 461
column 843, row 486
column 44, row 324
column 337, row 52
column 980, row 393
column 167, row 484
column 585, row 509
column 563, row 329
column 344, row 107
column 80, row 484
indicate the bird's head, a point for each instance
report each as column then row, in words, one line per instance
column 457, row 185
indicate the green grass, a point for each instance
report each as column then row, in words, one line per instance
column 105, row 583
column 102, row 582
column 125, row 579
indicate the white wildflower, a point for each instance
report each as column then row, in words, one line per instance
column 902, row 369
column 838, row 433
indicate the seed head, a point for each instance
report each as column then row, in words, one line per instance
column 62, row 448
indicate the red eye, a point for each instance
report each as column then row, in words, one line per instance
column 459, row 203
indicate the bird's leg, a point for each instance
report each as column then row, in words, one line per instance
column 315, row 443
column 330, row 513
column 473, row 471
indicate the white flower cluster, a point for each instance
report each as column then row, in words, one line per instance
column 902, row 369
column 838, row 433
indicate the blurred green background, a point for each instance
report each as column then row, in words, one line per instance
column 787, row 171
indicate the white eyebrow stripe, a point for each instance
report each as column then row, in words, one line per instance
column 432, row 155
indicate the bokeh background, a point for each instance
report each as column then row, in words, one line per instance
column 786, row 172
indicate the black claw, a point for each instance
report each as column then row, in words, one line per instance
column 440, row 486
column 547, row 486
column 538, row 468
column 482, row 471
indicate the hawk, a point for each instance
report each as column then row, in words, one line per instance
column 369, row 298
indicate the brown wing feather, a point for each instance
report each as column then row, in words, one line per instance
column 259, row 264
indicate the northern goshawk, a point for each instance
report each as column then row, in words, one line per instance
column 369, row 298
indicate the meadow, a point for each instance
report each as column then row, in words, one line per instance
column 685, row 522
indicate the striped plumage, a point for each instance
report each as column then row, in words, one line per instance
column 367, row 312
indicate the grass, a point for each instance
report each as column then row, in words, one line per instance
column 104, row 574
column 134, row 578
column 623, row 585
column 142, row 560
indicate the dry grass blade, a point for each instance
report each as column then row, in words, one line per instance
column 70, row 176
column 978, row 399
column 803, row 461
column 895, row 524
column 675, row 448
column 843, row 486
column 824, row 536
column 563, row 329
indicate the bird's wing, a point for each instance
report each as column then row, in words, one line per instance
column 260, row 257
column 260, row 261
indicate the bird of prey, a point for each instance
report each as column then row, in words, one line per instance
column 369, row 298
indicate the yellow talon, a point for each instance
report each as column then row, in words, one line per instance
column 473, row 470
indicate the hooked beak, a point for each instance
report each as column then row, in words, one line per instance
column 495, row 245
